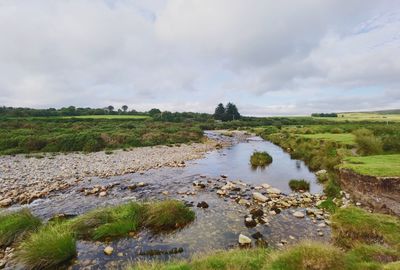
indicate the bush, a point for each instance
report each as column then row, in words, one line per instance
column 297, row 185
column 367, row 143
column 16, row 225
column 48, row 248
column 260, row 159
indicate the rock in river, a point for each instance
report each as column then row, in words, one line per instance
column 259, row 197
column 244, row 240
column 298, row 214
column 108, row 250
column 202, row 205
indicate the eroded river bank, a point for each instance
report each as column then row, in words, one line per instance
column 229, row 197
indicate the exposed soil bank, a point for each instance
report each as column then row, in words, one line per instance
column 380, row 193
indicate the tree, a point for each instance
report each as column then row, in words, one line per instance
column 231, row 112
column 110, row 108
column 219, row 112
column 125, row 108
column 154, row 112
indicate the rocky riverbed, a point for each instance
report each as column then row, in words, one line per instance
column 23, row 180
column 230, row 211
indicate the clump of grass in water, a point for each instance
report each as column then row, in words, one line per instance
column 15, row 225
column 109, row 222
column 118, row 221
column 260, row 159
column 167, row 215
column 298, row 185
column 48, row 248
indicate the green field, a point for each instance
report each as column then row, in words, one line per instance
column 117, row 116
column 345, row 138
column 373, row 117
column 380, row 165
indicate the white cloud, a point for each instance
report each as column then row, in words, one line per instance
column 190, row 54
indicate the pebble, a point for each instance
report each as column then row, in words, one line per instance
column 108, row 250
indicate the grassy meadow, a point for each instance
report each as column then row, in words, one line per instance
column 378, row 165
column 371, row 117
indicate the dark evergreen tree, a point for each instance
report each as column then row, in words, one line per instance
column 125, row 108
column 231, row 112
column 219, row 112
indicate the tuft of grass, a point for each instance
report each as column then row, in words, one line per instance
column 14, row 226
column 260, row 159
column 328, row 205
column 297, row 185
column 167, row 215
column 353, row 226
column 331, row 188
column 47, row 248
column 308, row 255
column 108, row 222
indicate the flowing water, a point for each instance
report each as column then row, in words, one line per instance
column 216, row 227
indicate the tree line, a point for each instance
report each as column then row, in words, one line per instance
column 64, row 111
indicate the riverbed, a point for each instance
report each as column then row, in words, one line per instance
column 216, row 227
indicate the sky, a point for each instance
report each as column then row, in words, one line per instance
column 268, row 57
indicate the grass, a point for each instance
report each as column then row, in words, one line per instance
column 297, row 185
column 345, row 138
column 29, row 136
column 252, row 259
column 371, row 117
column 48, row 248
column 119, row 221
column 303, row 256
column 378, row 165
column 308, row 255
column 167, row 215
column 328, row 205
column 260, row 159
column 108, row 222
column 16, row 225
column 354, row 226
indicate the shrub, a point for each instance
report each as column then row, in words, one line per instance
column 48, row 248
column 297, row 185
column 367, row 143
column 260, row 159
column 167, row 215
column 16, row 225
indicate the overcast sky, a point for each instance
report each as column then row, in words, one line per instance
column 269, row 57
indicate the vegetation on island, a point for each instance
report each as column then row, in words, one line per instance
column 299, row 185
column 260, row 159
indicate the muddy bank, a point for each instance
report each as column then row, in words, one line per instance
column 380, row 193
column 23, row 180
